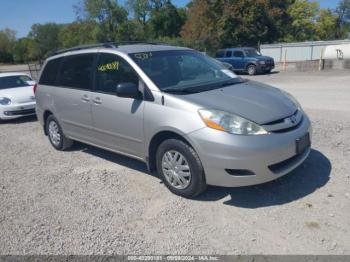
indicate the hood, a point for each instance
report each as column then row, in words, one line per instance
column 19, row 94
column 264, row 58
column 254, row 101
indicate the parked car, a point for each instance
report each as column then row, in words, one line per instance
column 16, row 95
column 246, row 59
column 186, row 116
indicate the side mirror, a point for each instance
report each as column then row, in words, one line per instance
column 128, row 90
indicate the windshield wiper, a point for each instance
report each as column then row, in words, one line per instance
column 203, row 88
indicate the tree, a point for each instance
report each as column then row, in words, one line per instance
column 326, row 25
column 24, row 50
column 7, row 40
column 303, row 16
column 79, row 33
column 225, row 23
column 141, row 9
column 252, row 22
column 45, row 38
column 132, row 30
column 343, row 12
column 202, row 29
column 166, row 21
column 107, row 13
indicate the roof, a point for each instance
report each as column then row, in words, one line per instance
column 13, row 74
column 148, row 48
column 126, row 48
column 238, row 48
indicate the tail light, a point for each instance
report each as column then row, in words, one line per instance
column 34, row 88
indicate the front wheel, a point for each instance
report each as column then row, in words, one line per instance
column 251, row 69
column 180, row 168
column 54, row 131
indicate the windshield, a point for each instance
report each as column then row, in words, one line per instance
column 252, row 52
column 184, row 71
column 14, row 81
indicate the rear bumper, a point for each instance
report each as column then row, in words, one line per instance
column 233, row 160
column 17, row 110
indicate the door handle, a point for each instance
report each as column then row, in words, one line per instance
column 97, row 101
column 85, row 98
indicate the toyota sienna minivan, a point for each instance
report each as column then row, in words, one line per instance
column 186, row 116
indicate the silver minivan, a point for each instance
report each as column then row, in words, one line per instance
column 185, row 115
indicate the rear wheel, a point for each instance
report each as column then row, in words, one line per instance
column 251, row 70
column 180, row 168
column 54, row 131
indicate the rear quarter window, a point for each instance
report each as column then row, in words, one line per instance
column 49, row 74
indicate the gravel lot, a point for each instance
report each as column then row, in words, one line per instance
column 89, row 201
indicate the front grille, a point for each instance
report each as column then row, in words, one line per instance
column 270, row 62
column 20, row 112
column 285, row 124
column 283, row 130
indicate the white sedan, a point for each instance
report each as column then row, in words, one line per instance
column 16, row 95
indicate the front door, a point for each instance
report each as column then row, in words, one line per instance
column 118, row 122
column 238, row 58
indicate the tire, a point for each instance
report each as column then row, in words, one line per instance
column 251, row 70
column 55, row 134
column 190, row 185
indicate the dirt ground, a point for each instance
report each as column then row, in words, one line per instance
column 89, row 201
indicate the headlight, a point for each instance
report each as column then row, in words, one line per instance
column 292, row 98
column 262, row 62
column 5, row 101
column 230, row 123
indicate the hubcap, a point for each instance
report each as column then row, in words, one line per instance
column 54, row 133
column 251, row 70
column 176, row 169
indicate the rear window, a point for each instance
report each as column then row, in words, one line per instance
column 14, row 81
column 76, row 71
column 49, row 75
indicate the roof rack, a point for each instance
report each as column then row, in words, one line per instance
column 106, row 45
column 80, row 47
column 138, row 42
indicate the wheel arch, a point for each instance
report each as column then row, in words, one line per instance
column 156, row 140
column 250, row 63
column 46, row 114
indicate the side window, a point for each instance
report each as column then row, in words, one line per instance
column 228, row 53
column 238, row 54
column 220, row 53
column 76, row 71
column 49, row 75
column 112, row 70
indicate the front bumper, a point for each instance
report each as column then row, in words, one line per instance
column 257, row 159
column 17, row 110
column 266, row 67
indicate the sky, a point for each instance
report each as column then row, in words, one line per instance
column 19, row 15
